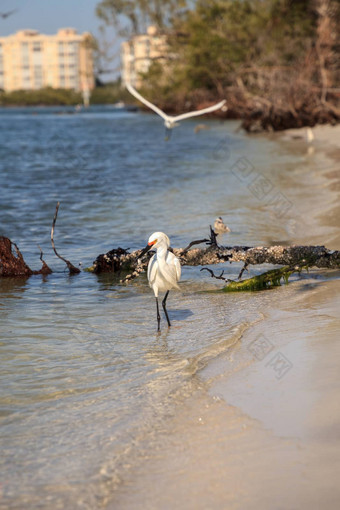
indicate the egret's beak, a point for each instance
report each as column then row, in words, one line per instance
column 146, row 249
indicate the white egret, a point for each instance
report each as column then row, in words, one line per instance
column 171, row 121
column 164, row 269
column 220, row 227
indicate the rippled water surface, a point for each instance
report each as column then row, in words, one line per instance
column 84, row 376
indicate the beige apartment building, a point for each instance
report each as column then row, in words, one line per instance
column 138, row 54
column 30, row 60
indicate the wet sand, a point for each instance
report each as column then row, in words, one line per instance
column 252, row 436
column 259, row 426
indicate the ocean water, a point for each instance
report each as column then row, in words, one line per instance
column 86, row 381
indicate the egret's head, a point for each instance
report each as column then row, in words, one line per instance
column 156, row 240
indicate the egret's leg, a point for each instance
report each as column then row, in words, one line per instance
column 164, row 308
column 158, row 316
column 168, row 133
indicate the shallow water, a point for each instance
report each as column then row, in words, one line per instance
column 85, row 379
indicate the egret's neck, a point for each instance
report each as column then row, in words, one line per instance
column 161, row 252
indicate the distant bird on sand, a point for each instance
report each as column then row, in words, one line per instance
column 310, row 135
column 5, row 15
column 307, row 134
column 171, row 121
column 220, row 227
column 164, row 270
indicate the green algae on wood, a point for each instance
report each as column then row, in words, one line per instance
column 266, row 280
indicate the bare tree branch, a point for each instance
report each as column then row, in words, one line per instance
column 45, row 269
column 71, row 267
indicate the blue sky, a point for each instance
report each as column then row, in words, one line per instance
column 47, row 16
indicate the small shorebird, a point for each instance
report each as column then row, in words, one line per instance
column 172, row 121
column 5, row 15
column 310, row 135
column 220, row 227
column 164, row 270
column 307, row 134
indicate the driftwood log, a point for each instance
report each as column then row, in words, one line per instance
column 293, row 258
column 129, row 265
column 124, row 263
column 12, row 262
column 120, row 260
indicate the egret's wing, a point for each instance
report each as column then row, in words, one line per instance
column 152, row 269
column 178, row 268
column 170, row 270
column 146, row 102
column 199, row 112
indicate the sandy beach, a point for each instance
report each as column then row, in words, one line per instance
column 259, row 427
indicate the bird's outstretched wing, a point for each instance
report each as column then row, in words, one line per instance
column 146, row 102
column 199, row 112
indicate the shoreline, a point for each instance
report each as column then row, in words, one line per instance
column 249, row 436
column 260, row 427
column 250, row 125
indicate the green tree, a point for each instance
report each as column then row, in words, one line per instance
column 133, row 16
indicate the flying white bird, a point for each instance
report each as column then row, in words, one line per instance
column 164, row 269
column 220, row 227
column 169, row 120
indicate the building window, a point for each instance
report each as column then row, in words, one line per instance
column 73, row 81
column 38, row 77
column 37, row 54
column 26, row 82
column 72, row 48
